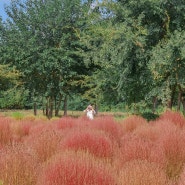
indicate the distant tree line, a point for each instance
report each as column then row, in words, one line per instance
column 124, row 54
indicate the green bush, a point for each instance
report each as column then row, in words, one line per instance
column 18, row 116
column 149, row 116
column 13, row 99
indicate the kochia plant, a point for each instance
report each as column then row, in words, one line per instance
column 76, row 168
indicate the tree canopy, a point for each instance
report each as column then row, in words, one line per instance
column 108, row 52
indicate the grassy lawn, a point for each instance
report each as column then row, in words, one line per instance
column 21, row 114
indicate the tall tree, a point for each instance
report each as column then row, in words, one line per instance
column 119, row 48
column 135, row 28
column 45, row 39
column 167, row 66
column 12, row 92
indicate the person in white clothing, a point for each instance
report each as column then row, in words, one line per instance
column 90, row 112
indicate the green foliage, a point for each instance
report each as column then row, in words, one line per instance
column 9, row 77
column 125, row 43
column 149, row 116
column 167, row 65
column 15, row 98
column 77, row 103
column 119, row 52
column 138, row 108
column 17, row 115
column 42, row 39
column 12, row 93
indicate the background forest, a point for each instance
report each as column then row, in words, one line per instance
column 126, row 55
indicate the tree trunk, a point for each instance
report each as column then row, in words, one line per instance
column 182, row 97
column 65, row 105
column 183, row 101
column 179, row 101
column 183, row 104
column 51, row 108
column 43, row 111
column 96, row 109
column 154, row 104
column 43, row 106
column 47, row 107
column 35, row 108
column 170, row 102
column 57, row 105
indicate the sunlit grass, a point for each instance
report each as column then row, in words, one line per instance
column 28, row 114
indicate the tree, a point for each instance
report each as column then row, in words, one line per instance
column 119, row 50
column 47, row 48
column 112, row 50
column 12, row 93
column 135, row 28
column 167, row 65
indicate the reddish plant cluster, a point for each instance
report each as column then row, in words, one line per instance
column 96, row 142
column 76, row 168
column 138, row 172
column 5, row 132
column 18, row 165
column 77, row 151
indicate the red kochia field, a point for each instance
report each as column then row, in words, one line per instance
column 76, row 151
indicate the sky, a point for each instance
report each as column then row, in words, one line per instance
column 2, row 11
column 7, row 2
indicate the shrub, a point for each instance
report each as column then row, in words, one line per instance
column 37, row 128
column 173, row 145
column 44, row 144
column 142, row 172
column 65, row 122
column 130, row 123
column 109, row 125
column 163, row 127
column 71, row 168
column 181, row 180
column 17, row 115
column 175, row 117
column 93, row 141
column 150, row 116
column 18, row 166
column 40, row 126
column 21, row 128
column 5, row 131
column 147, row 132
column 135, row 148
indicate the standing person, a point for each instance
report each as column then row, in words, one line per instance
column 90, row 112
